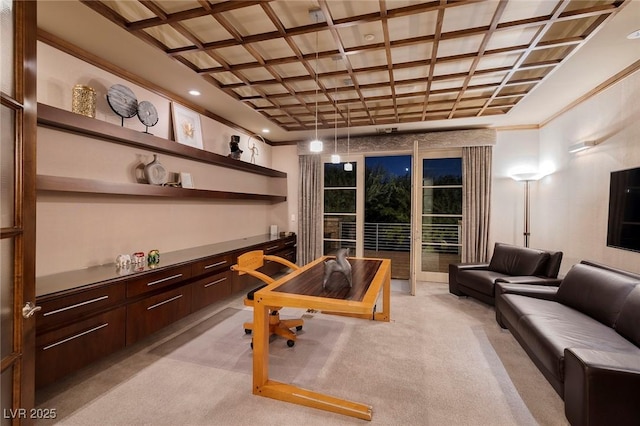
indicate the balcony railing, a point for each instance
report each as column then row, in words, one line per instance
column 397, row 236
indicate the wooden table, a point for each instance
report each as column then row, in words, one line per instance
column 303, row 289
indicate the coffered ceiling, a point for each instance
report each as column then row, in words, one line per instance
column 382, row 64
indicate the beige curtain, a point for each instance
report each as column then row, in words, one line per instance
column 476, row 202
column 309, row 209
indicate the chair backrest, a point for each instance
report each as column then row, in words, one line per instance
column 250, row 260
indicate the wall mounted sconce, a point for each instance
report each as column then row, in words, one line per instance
column 581, row 146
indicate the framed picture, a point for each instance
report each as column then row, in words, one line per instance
column 187, row 129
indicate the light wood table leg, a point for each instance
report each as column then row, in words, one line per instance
column 385, row 315
column 260, row 345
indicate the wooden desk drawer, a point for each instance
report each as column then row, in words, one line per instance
column 272, row 247
column 70, row 348
column 153, row 313
column 77, row 304
column 211, row 289
column 211, row 265
column 156, row 280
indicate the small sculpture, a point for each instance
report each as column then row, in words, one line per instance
column 234, row 145
column 340, row 264
column 254, row 153
column 137, row 257
column 153, row 257
column 123, row 261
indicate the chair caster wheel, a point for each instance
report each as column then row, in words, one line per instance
column 247, row 331
column 290, row 343
column 298, row 328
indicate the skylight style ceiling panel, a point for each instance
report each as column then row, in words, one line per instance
column 479, row 80
column 519, row 36
column 200, row 59
column 459, row 46
column 416, row 52
column 453, row 67
column 570, row 28
column 584, row 4
column 273, row 49
column 412, row 26
column 293, row 13
column 273, row 89
column 373, row 58
column 261, row 103
column 169, row 37
column 365, row 78
column 497, row 61
column 417, row 89
column 132, row 11
column 303, row 85
column 516, row 89
column 376, row 92
column 206, row 28
column 519, row 10
column 173, row 6
column 472, row 15
column 235, row 55
column 249, row 20
column 537, row 73
column 307, row 42
column 226, row 78
column 342, row 9
column 447, row 84
column 400, row 74
column 293, row 69
column 554, row 54
column 246, row 91
column 358, row 35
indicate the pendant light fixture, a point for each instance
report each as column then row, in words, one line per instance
column 335, row 157
column 316, row 144
column 348, row 167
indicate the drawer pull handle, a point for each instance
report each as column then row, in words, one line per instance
column 164, row 279
column 75, row 336
column 215, row 282
column 166, row 301
column 288, row 243
column 271, row 248
column 213, row 265
column 77, row 305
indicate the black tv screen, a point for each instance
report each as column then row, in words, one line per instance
column 624, row 210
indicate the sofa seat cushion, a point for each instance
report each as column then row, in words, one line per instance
column 628, row 323
column 550, row 327
column 479, row 280
column 514, row 260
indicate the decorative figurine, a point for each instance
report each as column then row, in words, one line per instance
column 153, row 257
column 340, row 264
column 137, row 257
column 123, row 261
column 254, row 153
column 234, row 145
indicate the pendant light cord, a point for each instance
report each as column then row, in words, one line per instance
column 316, row 72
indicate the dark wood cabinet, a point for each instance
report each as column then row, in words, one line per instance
column 67, row 349
column 90, row 313
column 156, row 312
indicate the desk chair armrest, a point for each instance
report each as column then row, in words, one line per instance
column 259, row 275
column 281, row 261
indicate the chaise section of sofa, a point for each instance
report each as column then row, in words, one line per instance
column 510, row 264
column 584, row 336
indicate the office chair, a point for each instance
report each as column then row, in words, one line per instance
column 247, row 264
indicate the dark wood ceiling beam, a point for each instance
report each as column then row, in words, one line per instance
column 387, row 51
column 434, row 57
column 497, row 15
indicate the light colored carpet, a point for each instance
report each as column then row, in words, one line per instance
column 442, row 360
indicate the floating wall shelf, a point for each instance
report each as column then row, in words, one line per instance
column 60, row 119
column 91, row 186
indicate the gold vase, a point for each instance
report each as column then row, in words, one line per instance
column 84, row 100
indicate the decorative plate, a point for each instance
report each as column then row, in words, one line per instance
column 122, row 101
column 147, row 114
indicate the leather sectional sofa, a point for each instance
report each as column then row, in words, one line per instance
column 509, row 263
column 584, row 336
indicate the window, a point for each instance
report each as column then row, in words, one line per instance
column 340, row 192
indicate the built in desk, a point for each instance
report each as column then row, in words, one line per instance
column 90, row 313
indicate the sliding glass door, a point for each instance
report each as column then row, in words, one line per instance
column 438, row 214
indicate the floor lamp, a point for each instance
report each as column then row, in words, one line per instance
column 527, row 178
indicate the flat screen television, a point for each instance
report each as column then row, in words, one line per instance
column 624, row 210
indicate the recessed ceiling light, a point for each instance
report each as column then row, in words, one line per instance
column 634, row 35
column 265, row 130
column 194, row 93
column 369, row 37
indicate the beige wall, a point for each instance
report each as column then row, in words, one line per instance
column 76, row 231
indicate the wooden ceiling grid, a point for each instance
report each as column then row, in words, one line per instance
column 390, row 61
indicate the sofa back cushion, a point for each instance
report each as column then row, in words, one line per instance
column 599, row 293
column 514, row 260
column 552, row 267
column 629, row 318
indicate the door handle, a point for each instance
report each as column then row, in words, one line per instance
column 30, row 309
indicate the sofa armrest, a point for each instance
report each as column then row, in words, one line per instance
column 601, row 387
column 454, row 268
column 530, row 279
column 530, row 290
